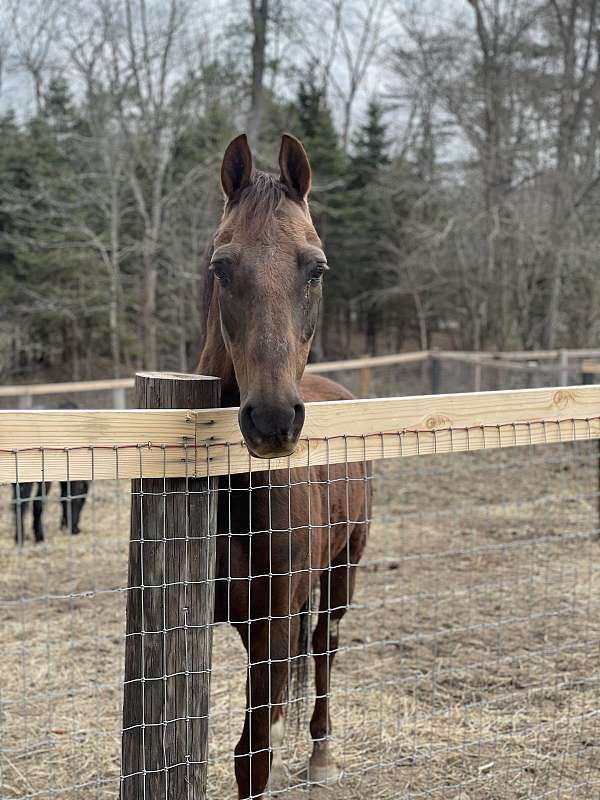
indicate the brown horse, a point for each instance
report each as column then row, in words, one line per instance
column 300, row 528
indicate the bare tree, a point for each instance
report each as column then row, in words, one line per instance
column 89, row 53
column 468, row 87
column 143, row 48
column 5, row 44
column 360, row 35
column 342, row 40
column 259, row 12
column 34, row 31
column 578, row 116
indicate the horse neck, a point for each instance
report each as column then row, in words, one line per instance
column 215, row 360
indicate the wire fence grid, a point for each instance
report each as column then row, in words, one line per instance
column 468, row 662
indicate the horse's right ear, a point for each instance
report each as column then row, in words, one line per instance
column 237, row 167
column 294, row 166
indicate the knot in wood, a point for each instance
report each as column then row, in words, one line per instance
column 562, row 398
column 439, row 421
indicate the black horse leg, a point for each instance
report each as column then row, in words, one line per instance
column 80, row 491
column 21, row 495
column 64, row 504
column 72, row 497
column 38, row 510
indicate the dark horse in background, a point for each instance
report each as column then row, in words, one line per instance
column 304, row 528
column 72, row 499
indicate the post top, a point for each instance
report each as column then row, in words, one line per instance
column 178, row 376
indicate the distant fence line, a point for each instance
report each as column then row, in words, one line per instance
column 499, row 360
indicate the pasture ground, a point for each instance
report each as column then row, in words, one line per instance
column 469, row 668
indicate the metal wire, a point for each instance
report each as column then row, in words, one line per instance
column 468, row 663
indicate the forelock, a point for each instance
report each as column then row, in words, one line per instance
column 258, row 203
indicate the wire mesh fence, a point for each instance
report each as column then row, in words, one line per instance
column 467, row 664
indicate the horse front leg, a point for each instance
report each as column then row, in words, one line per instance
column 38, row 511
column 337, row 589
column 21, row 495
column 268, row 646
column 72, row 499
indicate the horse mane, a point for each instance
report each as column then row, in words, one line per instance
column 257, row 203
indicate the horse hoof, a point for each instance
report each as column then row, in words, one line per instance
column 279, row 780
column 322, row 774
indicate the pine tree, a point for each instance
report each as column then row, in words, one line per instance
column 313, row 124
column 316, row 129
column 370, row 148
column 365, row 222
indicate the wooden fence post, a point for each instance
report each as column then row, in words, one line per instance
column 119, row 398
column 477, row 374
column 170, row 605
column 563, row 368
column 365, row 381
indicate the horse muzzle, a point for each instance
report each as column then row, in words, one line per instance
column 271, row 430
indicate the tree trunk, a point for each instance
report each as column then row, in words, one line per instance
column 371, row 332
column 115, row 279
column 260, row 14
column 149, row 310
column 113, row 323
column 181, row 323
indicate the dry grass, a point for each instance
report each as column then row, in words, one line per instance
column 469, row 666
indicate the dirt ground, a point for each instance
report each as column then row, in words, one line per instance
column 469, row 665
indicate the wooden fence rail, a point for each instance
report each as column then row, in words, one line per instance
column 70, row 387
column 122, row 384
column 502, row 361
column 62, row 445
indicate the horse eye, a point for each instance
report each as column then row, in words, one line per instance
column 316, row 274
column 221, row 272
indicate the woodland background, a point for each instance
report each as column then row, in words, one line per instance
column 455, row 148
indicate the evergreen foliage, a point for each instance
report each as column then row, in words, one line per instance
column 462, row 212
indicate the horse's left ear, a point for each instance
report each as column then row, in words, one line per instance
column 294, row 166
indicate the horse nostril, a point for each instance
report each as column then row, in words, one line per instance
column 246, row 415
column 269, row 421
column 298, row 417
